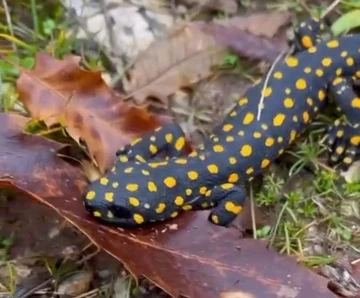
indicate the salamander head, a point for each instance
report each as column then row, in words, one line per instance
column 114, row 200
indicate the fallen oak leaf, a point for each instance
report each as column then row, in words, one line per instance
column 182, row 58
column 190, row 52
column 177, row 260
column 59, row 91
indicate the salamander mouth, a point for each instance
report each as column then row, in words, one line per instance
column 110, row 213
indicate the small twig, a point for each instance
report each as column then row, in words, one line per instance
column 331, row 7
column 266, row 83
column 8, row 21
column 252, row 209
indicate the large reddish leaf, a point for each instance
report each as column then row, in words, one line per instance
column 59, row 91
column 187, row 256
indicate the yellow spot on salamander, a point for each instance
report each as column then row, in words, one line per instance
column 350, row 61
column 181, row 161
column 347, row 160
column 337, row 81
column 153, row 149
column 123, row 158
column 249, row 117
column 301, row 84
column 188, row 191
column 218, row 148
column 174, row 214
column 267, row 92
column 203, row 190
column 139, row 158
column 306, row 117
column 232, row 160
column 246, row 150
column 213, row 169
column 152, row 186
column 109, row 196
column 215, row 219
column 233, row 178
column 180, row 143
column 278, row 75
column 243, row 101
column 257, row 135
column 278, row 119
column 104, row 181
column 97, row 214
column 306, row 41
column 288, row 102
column 355, row 103
column 169, row 137
column 307, row 69
column 292, row 61
column 160, row 208
column 292, row 135
column 319, row 72
column 265, row 162
column 179, row 201
column 355, row 140
column 187, row 207
column 134, row 201
column 110, row 215
column 269, row 141
column 170, row 182
column 90, row 195
column 132, row 187
column 230, row 139
column 227, row 185
column 339, row 150
column 145, row 172
column 326, row 61
column 340, row 133
column 138, row 218
column 321, row 94
column 228, row 127
column 233, row 113
column 193, row 175
column 312, row 50
column 249, row 170
column 332, row 44
column 128, row 170
column 115, row 184
column 231, row 207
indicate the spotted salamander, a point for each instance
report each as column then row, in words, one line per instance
column 154, row 179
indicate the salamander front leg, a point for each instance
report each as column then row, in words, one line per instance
column 168, row 140
column 228, row 199
column 344, row 135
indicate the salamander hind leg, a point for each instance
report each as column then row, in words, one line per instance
column 343, row 137
column 308, row 33
column 228, row 199
column 168, row 140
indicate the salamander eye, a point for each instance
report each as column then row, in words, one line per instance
column 120, row 212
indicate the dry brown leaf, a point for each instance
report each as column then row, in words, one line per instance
column 60, row 91
column 228, row 6
column 266, row 24
column 183, row 58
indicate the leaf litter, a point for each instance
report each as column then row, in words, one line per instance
column 181, row 262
